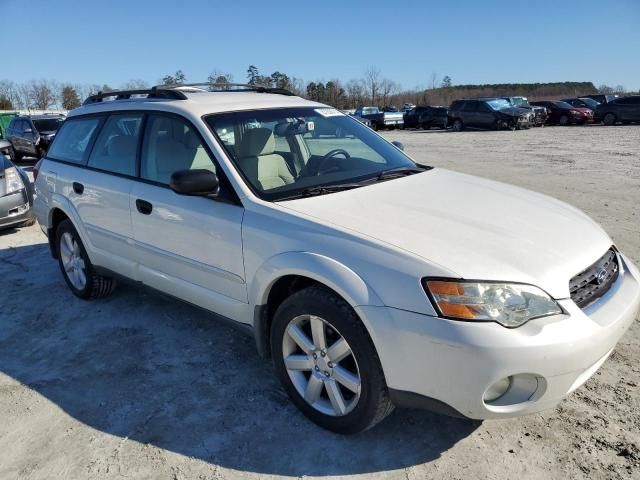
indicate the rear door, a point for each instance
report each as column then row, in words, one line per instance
column 187, row 246
column 100, row 191
column 485, row 117
column 469, row 113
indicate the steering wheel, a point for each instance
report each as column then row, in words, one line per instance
column 330, row 154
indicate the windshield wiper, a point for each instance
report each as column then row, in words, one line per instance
column 398, row 172
column 322, row 190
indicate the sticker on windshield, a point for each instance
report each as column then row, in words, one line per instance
column 329, row 112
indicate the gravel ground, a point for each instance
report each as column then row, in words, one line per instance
column 140, row 386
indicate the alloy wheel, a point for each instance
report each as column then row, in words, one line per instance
column 321, row 365
column 72, row 261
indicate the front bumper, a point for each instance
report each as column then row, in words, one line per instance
column 453, row 363
column 15, row 209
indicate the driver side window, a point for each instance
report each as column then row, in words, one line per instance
column 171, row 144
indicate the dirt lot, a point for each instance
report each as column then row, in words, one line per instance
column 139, row 386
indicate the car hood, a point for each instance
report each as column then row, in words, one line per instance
column 514, row 111
column 473, row 227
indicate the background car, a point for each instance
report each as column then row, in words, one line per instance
column 30, row 135
column 381, row 119
column 426, row 117
column 489, row 113
column 562, row 113
column 623, row 109
column 540, row 113
column 365, row 121
column 16, row 193
column 582, row 102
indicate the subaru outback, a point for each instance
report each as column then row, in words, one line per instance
column 370, row 280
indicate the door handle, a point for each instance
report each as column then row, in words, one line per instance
column 143, row 206
column 78, row 188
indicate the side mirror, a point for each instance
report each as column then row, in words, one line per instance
column 399, row 145
column 198, row 182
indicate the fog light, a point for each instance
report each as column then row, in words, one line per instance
column 497, row 390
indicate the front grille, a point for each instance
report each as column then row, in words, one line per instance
column 596, row 280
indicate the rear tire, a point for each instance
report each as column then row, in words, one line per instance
column 76, row 268
column 457, row 125
column 318, row 371
column 564, row 120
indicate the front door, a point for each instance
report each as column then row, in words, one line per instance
column 187, row 246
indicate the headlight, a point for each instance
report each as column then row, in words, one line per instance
column 509, row 304
column 12, row 180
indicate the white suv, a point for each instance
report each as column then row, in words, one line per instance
column 370, row 280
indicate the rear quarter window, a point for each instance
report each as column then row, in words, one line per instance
column 73, row 139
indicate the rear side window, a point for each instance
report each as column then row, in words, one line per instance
column 73, row 138
column 470, row 107
column 117, row 145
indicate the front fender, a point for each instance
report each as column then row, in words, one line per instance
column 325, row 270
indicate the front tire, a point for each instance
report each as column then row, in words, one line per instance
column 610, row 119
column 327, row 363
column 76, row 268
column 564, row 120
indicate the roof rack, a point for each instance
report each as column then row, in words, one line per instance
column 153, row 92
column 227, row 87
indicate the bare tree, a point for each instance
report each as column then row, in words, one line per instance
column 42, row 94
column 372, row 81
column 433, row 83
column 297, row 86
column 356, row 92
column 605, row 89
column 619, row 89
column 387, row 88
column 135, row 84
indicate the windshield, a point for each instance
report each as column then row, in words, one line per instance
column 520, row 101
column 563, row 104
column 282, row 152
column 591, row 102
column 499, row 103
column 48, row 124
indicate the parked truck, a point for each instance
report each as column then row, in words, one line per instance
column 381, row 119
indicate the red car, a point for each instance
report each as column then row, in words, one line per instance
column 561, row 113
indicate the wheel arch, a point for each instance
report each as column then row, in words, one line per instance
column 287, row 273
column 61, row 209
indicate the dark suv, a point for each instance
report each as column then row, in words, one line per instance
column 491, row 113
column 623, row 109
column 30, row 135
column 601, row 98
column 426, row 117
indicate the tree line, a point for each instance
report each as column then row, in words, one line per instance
column 373, row 88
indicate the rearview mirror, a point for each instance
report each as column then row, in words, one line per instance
column 399, row 145
column 195, row 182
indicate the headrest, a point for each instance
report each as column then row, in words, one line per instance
column 256, row 142
column 191, row 139
column 123, row 146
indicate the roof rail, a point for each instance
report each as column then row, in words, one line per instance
column 227, row 87
column 153, row 92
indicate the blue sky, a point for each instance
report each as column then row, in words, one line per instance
column 472, row 41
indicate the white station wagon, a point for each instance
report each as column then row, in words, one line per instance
column 372, row 281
